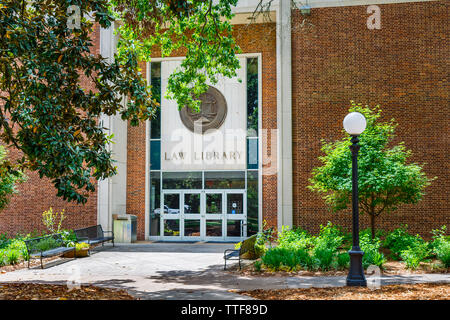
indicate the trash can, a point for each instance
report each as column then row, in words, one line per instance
column 125, row 228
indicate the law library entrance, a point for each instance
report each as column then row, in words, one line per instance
column 204, row 168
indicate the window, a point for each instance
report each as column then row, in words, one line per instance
column 224, row 180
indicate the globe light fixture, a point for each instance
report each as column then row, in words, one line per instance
column 355, row 124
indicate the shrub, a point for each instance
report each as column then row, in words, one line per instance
column 343, row 260
column 295, row 238
column 46, row 244
column 371, row 248
column 441, row 245
column 19, row 246
column 69, row 238
column 400, row 240
column 443, row 253
column 414, row 255
column 280, row 258
column 12, row 256
column 330, row 236
column 2, row 257
column 323, row 257
column 258, row 265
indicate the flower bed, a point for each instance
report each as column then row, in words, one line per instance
column 327, row 252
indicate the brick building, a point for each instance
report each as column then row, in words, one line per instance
column 299, row 71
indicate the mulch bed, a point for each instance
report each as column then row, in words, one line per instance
column 389, row 268
column 390, row 292
column 32, row 291
column 24, row 264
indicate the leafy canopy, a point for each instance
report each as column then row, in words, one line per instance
column 385, row 179
column 53, row 120
column 201, row 28
column 45, row 111
column 8, row 179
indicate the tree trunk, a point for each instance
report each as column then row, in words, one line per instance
column 372, row 224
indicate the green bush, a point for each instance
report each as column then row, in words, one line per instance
column 2, row 257
column 46, row 244
column 20, row 246
column 323, row 257
column 286, row 259
column 258, row 265
column 12, row 251
column 295, row 238
column 414, row 255
column 371, row 249
column 441, row 246
column 69, row 238
column 443, row 253
column 343, row 260
column 330, row 236
column 400, row 240
column 12, row 256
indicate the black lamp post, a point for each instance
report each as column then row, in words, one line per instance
column 355, row 124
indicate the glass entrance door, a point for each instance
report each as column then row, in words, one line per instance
column 192, row 210
column 203, row 215
column 214, row 215
column 236, row 215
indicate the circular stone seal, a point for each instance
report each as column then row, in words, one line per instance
column 212, row 114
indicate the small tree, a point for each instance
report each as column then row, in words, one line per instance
column 8, row 179
column 385, row 179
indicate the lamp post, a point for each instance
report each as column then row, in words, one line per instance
column 355, row 124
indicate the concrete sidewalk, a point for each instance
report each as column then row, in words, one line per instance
column 177, row 271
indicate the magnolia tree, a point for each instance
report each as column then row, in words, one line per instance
column 385, row 179
column 8, row 179
column 46, row 55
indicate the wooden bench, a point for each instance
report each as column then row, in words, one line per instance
column 247, row 248
column 93, row 235
column 46, row 246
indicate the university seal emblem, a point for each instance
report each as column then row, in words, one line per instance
column 212, row 114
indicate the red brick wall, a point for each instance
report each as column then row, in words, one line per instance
column 24, row 212
column 259, row 38
column 404, row 67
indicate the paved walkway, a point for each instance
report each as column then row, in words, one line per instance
column 177, row 271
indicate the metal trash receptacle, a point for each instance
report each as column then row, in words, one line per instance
column 125, row 228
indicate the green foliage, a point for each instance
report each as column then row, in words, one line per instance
column 45, row 111
column 400, row 240
column 326, row 246
column 12, row 251
column 69, row 238
column 12, row 256
column 264, row 239
column 442, row 252
column 294, row 238
column 297, row 249
column 46, row 244
column 286, row 259
column 201, row 28
column 371, row 249
column 258, row 265
column 323, row 257
column 8, row 179
column 385, row 179
column 53, row 220
column 343, row 260
column 441, row 245
column 414, row 255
